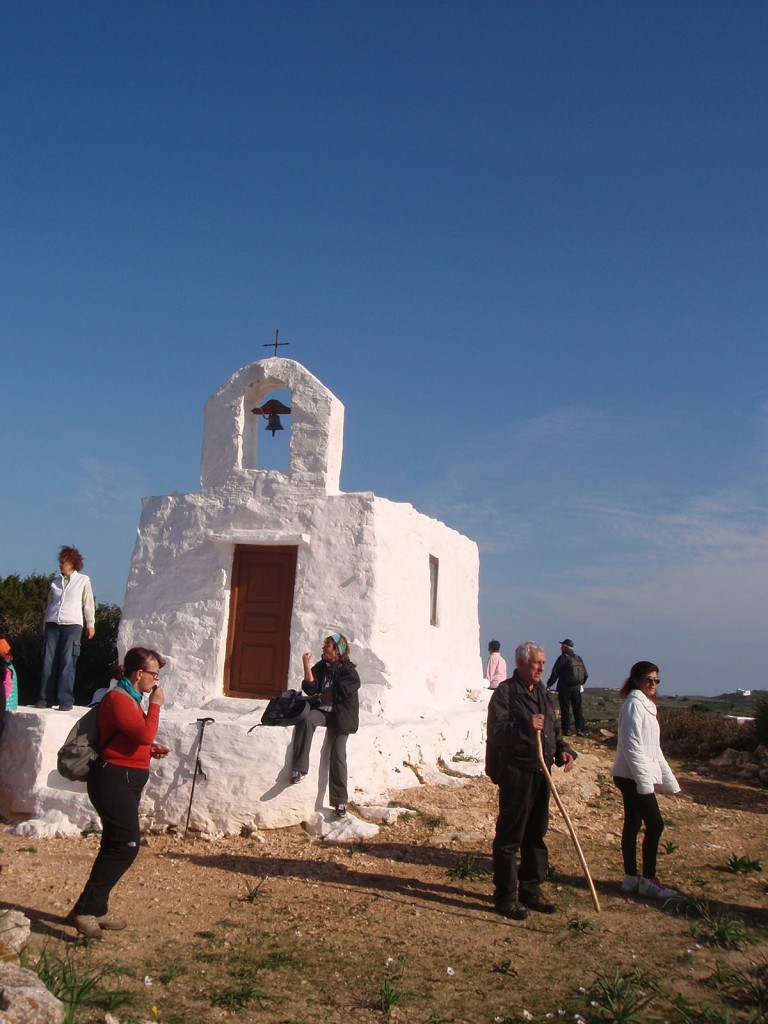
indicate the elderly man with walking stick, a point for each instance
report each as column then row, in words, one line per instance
column 518, row 710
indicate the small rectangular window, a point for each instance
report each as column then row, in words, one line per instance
column 433, row 569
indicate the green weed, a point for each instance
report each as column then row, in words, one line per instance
column 746, row 989
column 722, row 930
column 76, row 984
column 434, row 820
column 742, row 865
column 505, row 967
column 235, row 997
column 669, row 846
column 390, row 994
column 252, row 893
column 170, row 972
column 466, row 868
column 622, row 998
column 580, row 924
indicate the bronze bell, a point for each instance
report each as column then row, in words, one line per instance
column 273, row 423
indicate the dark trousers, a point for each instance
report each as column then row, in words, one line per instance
column 639, row 809
column 571, row 699
column 521, row 826
column 303, row 734
column 115, row 792
column 61, row 649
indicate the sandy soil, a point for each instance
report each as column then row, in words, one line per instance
column 332, row 928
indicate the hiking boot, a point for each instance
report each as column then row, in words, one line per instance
column 538, row 903
column 512, row 909
column 297, row 777
column 653, row 889
column 87, row 925
column 630, row 883
column 110, row 923
column 341, row 810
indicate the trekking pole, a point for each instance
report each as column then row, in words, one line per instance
column 202, row 722
column 559, row 802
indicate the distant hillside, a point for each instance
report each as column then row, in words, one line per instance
column 601, row 703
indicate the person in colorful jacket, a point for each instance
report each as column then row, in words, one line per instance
column 70, row 608
column 116, row 781
column 9, row 687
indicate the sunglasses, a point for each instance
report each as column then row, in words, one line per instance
column 653, row 682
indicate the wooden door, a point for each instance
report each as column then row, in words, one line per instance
column 261, row 602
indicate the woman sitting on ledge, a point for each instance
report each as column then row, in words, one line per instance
column 331, row 686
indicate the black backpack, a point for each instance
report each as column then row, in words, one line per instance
column 573, row 672
column 81, row 748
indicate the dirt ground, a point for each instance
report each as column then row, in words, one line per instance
column 279, row 927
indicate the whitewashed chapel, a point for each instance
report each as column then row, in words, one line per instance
column 234, row 583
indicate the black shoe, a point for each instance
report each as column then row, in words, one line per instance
column 42, row 704
column 580, row 732
column 538, row 903
column 65, row 707
column 341, row 810
column 511, row 909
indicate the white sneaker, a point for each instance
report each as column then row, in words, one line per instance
column 630, row 883
column 654, row 890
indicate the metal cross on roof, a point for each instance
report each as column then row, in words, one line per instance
column 275, row 344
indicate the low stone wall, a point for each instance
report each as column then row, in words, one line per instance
column 245, row 779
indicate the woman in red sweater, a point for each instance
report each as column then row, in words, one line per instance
column 115, row 783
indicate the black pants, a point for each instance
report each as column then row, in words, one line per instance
column 570, row 699
column 337, row 767
column 521, row 826
column 115, row 792
column 639, row 809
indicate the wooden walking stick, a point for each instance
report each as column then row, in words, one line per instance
column 559, row 802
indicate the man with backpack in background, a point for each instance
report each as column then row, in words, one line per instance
column 570, row 675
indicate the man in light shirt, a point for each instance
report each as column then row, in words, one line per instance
column 496, row 669
column 70, row 608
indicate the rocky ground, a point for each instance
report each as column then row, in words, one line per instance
column 286, row 927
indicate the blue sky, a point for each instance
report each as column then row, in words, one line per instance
column 524, row 243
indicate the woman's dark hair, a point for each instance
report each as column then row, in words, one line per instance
column 71, row 555
column 494, row 646
column 637, row 674
column 140, row 657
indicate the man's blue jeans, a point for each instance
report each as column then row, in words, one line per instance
column 61, row 649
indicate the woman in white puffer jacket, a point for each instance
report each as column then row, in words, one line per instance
column 639, row 770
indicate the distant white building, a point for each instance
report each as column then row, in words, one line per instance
column 234, row 583
column 744, row 693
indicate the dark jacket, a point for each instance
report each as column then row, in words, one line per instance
column 561, row 675
column 345, row 683
column 510, row 740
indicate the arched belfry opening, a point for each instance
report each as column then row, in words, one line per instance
column 267, row 429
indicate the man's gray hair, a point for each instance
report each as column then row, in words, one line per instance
column 524, row 651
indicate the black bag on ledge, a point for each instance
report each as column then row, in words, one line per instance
column 287, row 709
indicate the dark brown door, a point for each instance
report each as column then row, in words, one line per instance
column 258, row 645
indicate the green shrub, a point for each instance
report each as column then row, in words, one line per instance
column 761, row 717
column 701, row 734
